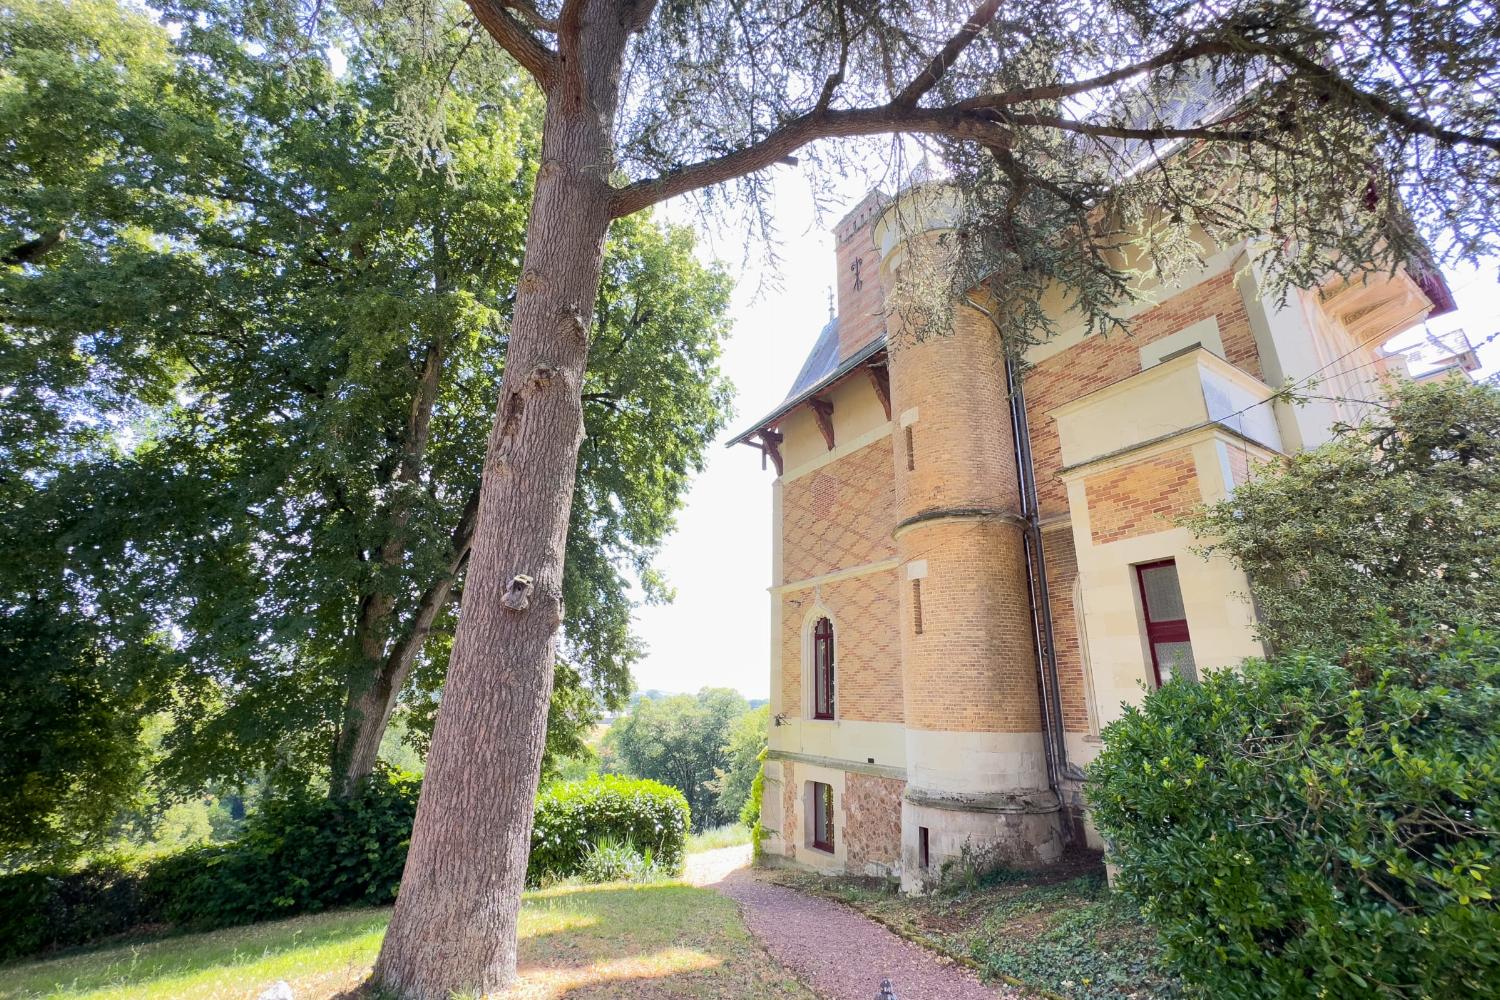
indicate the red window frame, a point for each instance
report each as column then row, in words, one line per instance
column 1159, row 630
column 822, row 816
column 823, row 659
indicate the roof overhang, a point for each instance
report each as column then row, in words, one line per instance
column 789, row 404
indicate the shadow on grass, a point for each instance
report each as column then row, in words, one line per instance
column 657, row 940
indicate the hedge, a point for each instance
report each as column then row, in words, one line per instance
column 302, row 854
column 1302, row 828
column 573, row 816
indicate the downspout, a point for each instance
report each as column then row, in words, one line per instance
column 1053, row 739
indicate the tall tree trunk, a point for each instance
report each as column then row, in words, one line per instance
column 454, row 926
column 376, row 680
column 370, row 702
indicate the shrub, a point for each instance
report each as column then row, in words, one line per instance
column 298, row 854
column 750, row 811
column 614, row 860
column 1307, row 829
column 573, row 816
column 302, row 853
column 55, row 907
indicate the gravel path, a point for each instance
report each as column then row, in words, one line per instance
column 840, row 954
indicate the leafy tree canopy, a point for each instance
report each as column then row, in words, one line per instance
column 684, row 741
column 1398, row 517
column 250, row 356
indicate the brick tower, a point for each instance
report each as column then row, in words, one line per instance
column 976, row 760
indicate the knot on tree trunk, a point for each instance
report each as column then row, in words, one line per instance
column 573, row 322
column 518, row 593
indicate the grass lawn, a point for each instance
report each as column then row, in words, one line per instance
column 664, row 940
column 728, row 835
column 1060, row 933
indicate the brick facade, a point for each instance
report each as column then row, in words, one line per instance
column 866, row 642
column 1062, row 573
column 861, row 295
column 1142, row 497
column 1100, row 361
column 973, row 668
column 915, row 546
column 872, row 821
column 839, row 516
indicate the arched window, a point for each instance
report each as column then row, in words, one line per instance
column 822, row 672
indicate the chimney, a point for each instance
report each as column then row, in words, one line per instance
column 861, row 300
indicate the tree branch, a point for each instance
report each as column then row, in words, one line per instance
column 781, row 142
column 1327, row 77
column 1057, row 91
column 529, row 14
column 990, row 126
column 524, row 47
column 938, row 67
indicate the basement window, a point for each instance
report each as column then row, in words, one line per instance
column 1166, row 622
column 924, row 852
column 822, row 816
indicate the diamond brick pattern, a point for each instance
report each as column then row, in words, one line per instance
column 839, row 516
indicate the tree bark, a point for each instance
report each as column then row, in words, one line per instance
column 454, row 925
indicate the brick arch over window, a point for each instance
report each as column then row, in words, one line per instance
column 820, row 663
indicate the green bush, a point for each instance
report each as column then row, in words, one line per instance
column 1306, row 829
column 54, row 907
column 573, row 816
column 298, row 854
column 750, row 811
column 303, row 853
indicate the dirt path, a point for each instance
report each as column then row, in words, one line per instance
column 839, row 953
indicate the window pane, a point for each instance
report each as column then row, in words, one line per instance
column 1175, row 659
column 1162, row 595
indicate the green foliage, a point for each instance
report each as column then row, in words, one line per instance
column 743, row 748
column 750, row 811
column 690, row 742
column 249, row 383
column 1399, row 516
column 303, row 853
column 1306, row 829
column 1075, row 938
column 615, row 860
column 70, row 720
column 42, row 908
column 298, row 854
column 573, row 817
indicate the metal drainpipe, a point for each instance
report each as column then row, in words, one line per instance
column 1036, row 580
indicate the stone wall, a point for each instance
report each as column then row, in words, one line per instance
column 872, row 823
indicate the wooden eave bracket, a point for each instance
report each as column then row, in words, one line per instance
column 823, row 412
column 769, row 443
column 880, row 378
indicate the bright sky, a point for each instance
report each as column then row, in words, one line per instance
column 717, row 632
